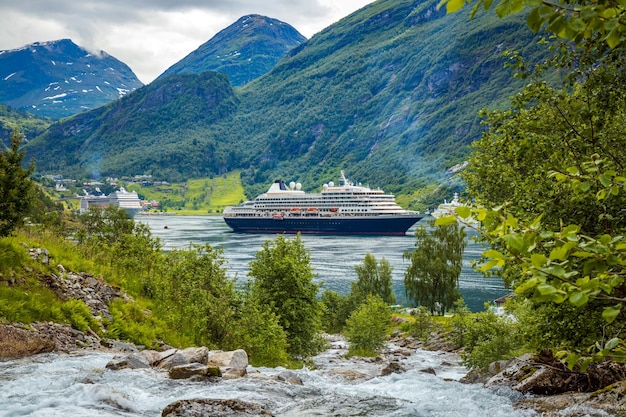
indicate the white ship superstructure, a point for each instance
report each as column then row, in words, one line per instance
column 123, row 199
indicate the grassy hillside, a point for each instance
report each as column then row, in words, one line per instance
column 195, row 196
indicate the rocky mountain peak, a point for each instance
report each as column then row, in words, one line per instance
column 245, row 50
column 59, row 78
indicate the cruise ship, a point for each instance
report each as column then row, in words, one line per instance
column 129, row 201
column 344, row 209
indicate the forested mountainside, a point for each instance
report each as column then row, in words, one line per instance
column 26, row 123
column 160, row 128
column 59, row 78
column 245, row 50
column 389, row 93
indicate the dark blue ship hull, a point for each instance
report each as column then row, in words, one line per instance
column 379, row 225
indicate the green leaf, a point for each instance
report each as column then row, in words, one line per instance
column 614, row 38
column 559, row 253
column 577, row 25
column 453, row 6
column 514, row 242
column 585, row 186
column 610, row 313
column 527, row 285
column 555, row 270
column 490, row 264
column 579, row 299
column 507, row 7
column 534, row 21
column 546, row 289
column 463, row 212
column 492, row 253
column 604, row 180
column 445, row 220
column 538, row 260
column 612, row 344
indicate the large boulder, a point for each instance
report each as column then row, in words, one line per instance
column 214, row 408
column 542, row 374
column 131, row 361
column 193, row 369
column 196, row 354
column 233, row 364
column 171, row 360
column 17, row 343
column 232, row 359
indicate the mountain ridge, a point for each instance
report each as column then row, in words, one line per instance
column 59, row 78
column 245, row 50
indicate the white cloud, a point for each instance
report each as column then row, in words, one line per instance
column 151, row 35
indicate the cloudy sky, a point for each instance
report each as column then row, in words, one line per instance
column 151, row 35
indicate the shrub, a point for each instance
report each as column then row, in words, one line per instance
column 366, row 329
column 257, row 330
column 488, row 338
column 132, row 323
column 423, row 323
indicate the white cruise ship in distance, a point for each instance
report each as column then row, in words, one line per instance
column 129, row 201
column 342, row 209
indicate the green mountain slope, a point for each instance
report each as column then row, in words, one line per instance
column 390, row 94
column 155, row 130
column 28, row 124
column 245, row 50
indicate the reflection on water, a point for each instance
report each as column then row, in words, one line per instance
column 333, row 257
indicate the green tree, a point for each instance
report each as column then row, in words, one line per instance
column 557, row 223
column 194, row 293
column 373, row 278
column 257, row 330
column 104, row 226
column 337, row 309
column 366, row 329
column 283, row 280
column 16, row 187
column 574, row 20
column 549, row 133
column 432, row 279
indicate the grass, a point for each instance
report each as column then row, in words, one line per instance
column 196, row 196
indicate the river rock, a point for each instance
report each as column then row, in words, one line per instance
column 429, row 370
column 349, row 374
column 213, row 408
column 609, row 401
column 232, row 359
column 392, row 367
column 542, row 374
column 233, row 364
column 193, row 369
column 17, row 343
column 131, row 361
column 290, row 377
column 176, row 358
column 196, row 354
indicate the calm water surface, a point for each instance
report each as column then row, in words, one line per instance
column 333, row 257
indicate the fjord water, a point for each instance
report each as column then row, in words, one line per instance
column 51, row 385
column 332, row 257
